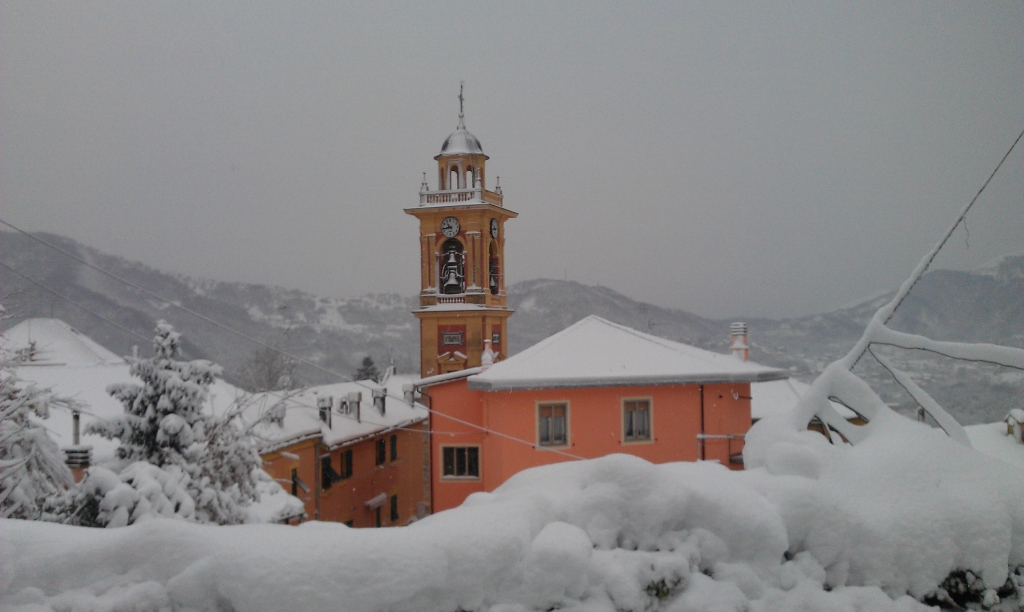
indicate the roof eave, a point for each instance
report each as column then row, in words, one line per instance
column 625, row 381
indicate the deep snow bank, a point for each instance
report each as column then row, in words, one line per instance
column 890, row 516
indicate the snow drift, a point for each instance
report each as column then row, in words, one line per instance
column 820, row 526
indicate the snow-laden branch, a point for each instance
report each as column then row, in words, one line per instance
column 943, row 418
column 838, row 380
column 988, row 353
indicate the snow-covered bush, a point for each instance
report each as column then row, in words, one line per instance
column 169, row 436
column 32, row 469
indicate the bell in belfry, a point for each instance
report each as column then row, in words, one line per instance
column 451, row 282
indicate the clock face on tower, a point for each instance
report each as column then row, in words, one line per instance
column 494, row 228
column 450, row 227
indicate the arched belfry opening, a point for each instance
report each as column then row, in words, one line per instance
column 452, row 277
column 494, row 269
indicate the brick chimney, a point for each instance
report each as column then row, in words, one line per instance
column 738, row 347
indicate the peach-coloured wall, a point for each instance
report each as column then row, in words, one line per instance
column 595, row 427
column 344, row 500
column 280, row 468
column 726, row 411
column 454, row 399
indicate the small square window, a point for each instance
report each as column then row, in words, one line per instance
column 552, row 429
column 636, row 420
column 461, row 462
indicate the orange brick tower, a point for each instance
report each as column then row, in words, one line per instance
column 463, row 309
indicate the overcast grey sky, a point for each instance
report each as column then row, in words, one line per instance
column 724, row 158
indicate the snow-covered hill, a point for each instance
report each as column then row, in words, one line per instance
column 984, row 305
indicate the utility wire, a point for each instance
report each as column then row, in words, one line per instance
column 296, row 358
column 76, row 304
column 905, row 291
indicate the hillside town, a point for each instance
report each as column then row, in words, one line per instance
column 741, row 332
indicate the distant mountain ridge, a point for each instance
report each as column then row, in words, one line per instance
column 986, row 305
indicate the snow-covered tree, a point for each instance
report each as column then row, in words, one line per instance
column 32, row 469
column 165, row 424
column 839, row 383
column 368, row 371
column 269, row 369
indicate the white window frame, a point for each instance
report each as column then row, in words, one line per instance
column 479, row 463
column 551, row 403
column 650, row 420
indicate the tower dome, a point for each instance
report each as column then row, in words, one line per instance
column 461, row 142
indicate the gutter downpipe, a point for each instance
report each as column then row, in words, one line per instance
column 316, row 479
column 702, row 450
column 430, row 446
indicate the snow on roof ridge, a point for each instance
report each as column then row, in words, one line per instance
column 55, row 335
column 303, row 421
column 688, row 351
column 598, row 352
column 440, row 378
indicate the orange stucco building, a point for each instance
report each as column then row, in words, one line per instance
column 354, row 453
column 594, row 389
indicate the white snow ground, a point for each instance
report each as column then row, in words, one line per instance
column 889, row 517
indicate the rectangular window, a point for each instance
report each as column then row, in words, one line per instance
column 394, row 448
column 551, row 424
column 461, row 462
column 394, row 508
column 496, row 339
column 350, row 523
column 295, row 482
column 377, row 517
column 636, row 420
column 347, row 468
column 382, row 451
column 327, row 474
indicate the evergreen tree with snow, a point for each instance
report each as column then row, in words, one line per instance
column 164, row 424
column 368, row 371
column 32, row 468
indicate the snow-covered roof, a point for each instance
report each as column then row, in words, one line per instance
column 461, row 142
column 595, row 352
column 56, row 343
column 448, row 377
column 781, row 396
column 75, row 366
column 992, row 439
column 302, row 416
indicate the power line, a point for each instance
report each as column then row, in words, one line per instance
column 296, row 358
column 76, row 304
column 919, row 271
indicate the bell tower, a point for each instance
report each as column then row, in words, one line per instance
column 463, row 308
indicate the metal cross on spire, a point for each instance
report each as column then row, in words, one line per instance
column 461, row 83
